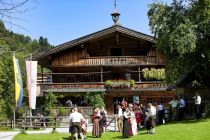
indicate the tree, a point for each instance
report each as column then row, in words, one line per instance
column 182, row 30
column 94, row 99
column 23, row 45
column 10, row 8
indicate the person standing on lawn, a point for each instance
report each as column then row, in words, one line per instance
column 152, row 114
column 138, row 118
column 120, row 119
column 103, row 121
column 126, row 128
column 181, row 108
column 97, row 128
column 133, row 123
column 197, row 99
column 75, row 119
column 174, row 105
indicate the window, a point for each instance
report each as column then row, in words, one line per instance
column 62, row 79
column 116, row 52
column 92, row 78
column 78, row 78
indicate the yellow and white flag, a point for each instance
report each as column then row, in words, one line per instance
column 18, row 83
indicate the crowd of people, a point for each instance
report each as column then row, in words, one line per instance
column 131, row 117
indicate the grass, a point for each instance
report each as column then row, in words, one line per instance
column 186, row 130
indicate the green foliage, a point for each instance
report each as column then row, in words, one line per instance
column 61, row 111
column 119, row 83
column 51, row 100
column 2, row 110
column 132, row 82
column 23, row 45
column 94, row 99
column 182, row 30
column 157, row 74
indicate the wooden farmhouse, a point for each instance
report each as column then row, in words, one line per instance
column 111, row 61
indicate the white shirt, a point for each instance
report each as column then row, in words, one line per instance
column 181, row 103
column 76, row 117
column 174, row 103
column 126, row 115
column 160, row 107
column 198, row 100
column 120, row 113
column 152, row 111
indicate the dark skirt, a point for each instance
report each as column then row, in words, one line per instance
column 96, row 128
column 125, row 128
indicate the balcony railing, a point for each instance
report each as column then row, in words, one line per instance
column 72, row 87
column 118, row 60
column 99, row 87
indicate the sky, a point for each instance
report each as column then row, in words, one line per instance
column 64, row 20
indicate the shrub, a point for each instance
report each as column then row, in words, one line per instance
column 94, row 99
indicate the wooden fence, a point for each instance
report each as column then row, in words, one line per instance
column 51, row 122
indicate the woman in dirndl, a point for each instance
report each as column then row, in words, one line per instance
column 126, row 128
column 103, row 121
column 97, row 128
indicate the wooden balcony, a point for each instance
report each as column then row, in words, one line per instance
column 117, row 61
column 99, row 87
column 73, row 87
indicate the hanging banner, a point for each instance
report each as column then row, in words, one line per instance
column 31, row 70
column 18, row 83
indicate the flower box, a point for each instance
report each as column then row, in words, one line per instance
column 119, row 84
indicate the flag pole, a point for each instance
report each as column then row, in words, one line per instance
column 30, row 110
column 15, row 103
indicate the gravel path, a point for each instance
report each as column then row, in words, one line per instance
column 7, row 135
column 10, row 135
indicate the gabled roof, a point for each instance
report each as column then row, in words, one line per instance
column 192, row 79
column 101, row 33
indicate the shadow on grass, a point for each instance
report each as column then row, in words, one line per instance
column 143, row 133
column 121, row 137
column 184, row 122
column 194, row 121
column 91, row 137
column 67, row 138
column 118, row 137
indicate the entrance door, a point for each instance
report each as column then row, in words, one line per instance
column 117, row 101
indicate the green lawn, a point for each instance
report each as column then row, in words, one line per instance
column 186, row 130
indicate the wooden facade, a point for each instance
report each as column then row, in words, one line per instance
column 116, row 53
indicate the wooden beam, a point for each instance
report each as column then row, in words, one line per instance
column 102, row 75
column 139, row 74
column 42, row 74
